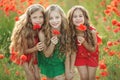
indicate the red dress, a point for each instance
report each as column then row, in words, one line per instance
column 16, row 59
column 85, row 57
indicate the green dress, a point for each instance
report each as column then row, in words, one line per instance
column 53, row 65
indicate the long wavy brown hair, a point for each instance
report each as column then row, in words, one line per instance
column 87, row 33
column 23, row 30
column 63, row 39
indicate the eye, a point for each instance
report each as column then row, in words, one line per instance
column 80, row 16
column 75, row 16
column 40, row 16
column 34, row 17
column 57, row 17
column 51, row 18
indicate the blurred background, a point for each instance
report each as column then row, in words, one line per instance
column 104, row 15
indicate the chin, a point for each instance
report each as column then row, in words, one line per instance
column 56, row 27
column 78, row 25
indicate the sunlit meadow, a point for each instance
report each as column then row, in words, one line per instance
column 104, row 15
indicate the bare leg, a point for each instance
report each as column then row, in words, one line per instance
column 60, row 77
column 70, row 75
column 92, row 72
column 36, row 72
column 83, row 72
column 49, row 78
column 28, row 72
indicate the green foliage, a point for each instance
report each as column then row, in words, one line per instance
column 96, row 14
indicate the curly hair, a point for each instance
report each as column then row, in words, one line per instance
column 23, row 30
column 87, row 33
column 64, row 29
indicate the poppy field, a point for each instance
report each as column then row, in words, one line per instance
column 104, row 16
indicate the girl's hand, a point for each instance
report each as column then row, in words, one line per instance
column 54, row 40
column 69, row 76
column 80, row 40
column 40, row 46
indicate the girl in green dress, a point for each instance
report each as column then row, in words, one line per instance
column 52, row 60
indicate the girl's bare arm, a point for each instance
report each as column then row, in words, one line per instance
column 28, row 50
column 47, row 50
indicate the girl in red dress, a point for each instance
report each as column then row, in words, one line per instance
column 84, row 41
column 24, row 41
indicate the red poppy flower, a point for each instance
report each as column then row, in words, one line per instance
column 107, row 12
column 17, row 61
column 81, row 27
column 111, row 53
column 118, row 24
column 114, row 21
column 116, row 43
column 22, row 1
column 13, row 57
column 103, row 66
column 13, row 52
column 36, row 26
column 16, row 18
column 1, row 56
column 106, row 49
column 97, row 77
column 109, row 43
column 108, row 28
column 55, row 32
column 23, row 57
column 104, row 73
column 44, row 78
column 17, row 73
column 104, row 19
column 19, row 11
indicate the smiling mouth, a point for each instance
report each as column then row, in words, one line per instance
column 78, row 21
column 55, row 24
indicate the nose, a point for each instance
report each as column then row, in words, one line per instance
column 78, row 18
column 54, row 20
column 38, row 20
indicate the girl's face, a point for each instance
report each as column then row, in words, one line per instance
column 78, row 17
column 37, row 18
column 55, row 19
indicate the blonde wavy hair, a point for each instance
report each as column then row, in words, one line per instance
column 23, row 30
column 64, row 29
column 87, row 33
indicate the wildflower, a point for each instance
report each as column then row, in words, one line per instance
column 55, row 32
column 81, row 27
column 36, row 26
column 16, row 18
column 102, row 66
column 23, row 57
column 109, row 43
column 104, row 73
column 1, row 56
column 44, row 78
